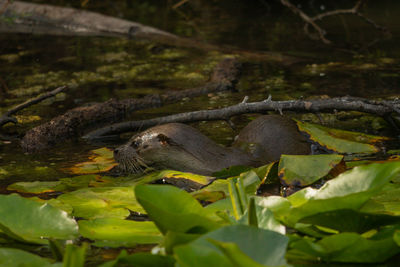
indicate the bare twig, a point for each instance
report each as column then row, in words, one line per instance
column 307, row 19
column 6, row 117
column 355, row 10
column 381, row 108
column 180, row 3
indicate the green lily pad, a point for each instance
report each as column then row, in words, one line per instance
column 113, row 232
column 252, row 179
column 304, row 170
column 345, row 247
column 385, row 202
column 186, row 180
column 101, row 161
column 91, row 203
column 341, row 141
column 350, row 190
column 265, row 247
column 36, row 187
column 173, row 209
column 215, row 191
column 30, row 221
column 55, row 203
column 346, row 220
column 12, row 257
column 141, row 259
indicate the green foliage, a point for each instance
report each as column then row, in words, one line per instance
column 352, row 218
column 28, row 221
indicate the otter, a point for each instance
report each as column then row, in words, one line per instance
column 181, row 147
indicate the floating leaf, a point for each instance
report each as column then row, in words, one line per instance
column 345, row 247
column 91, row 203
column 304, row 170
column 173, row 209
column 213, row 192
column 141, row 259
column 262, row 246
column 385, row 202
column 30, row 221
column 36, row 187
column 341, row 141
column 185, row 180
column 102, row 161
column 350, row 190
column 346, row 220
column 112, row 232
column 12, row 257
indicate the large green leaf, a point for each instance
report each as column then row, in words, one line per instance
column 341, row 141
column 262, row 246
column 113, row 232
column 346, row 220
column 141, row 259
column 304, row 170
column 173, row 209
column 62, row 185
column 350, row 190
column 345, row 247
column 91, row 203
column 30, row 221
column 12, row 257
column 385, row 202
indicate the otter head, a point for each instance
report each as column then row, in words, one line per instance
column 141, row 151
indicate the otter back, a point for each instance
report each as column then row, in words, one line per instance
column 270, row 136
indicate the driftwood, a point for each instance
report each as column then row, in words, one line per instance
column 79, row 120
column 381, row 108
column 33, row 18
column 7, row 117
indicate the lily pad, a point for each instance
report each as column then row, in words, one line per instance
column 341, row 141
column 113, row 232
column 36, row 187
column 30, row 221
column 185, row 180
column 173, row 209
column 345, row 247
column 304, row 170
column 91, row 203
column 350, row 190
column 12, row 257
column 62, row 185
column 262, row 246
column 141, row 259
column 346, row 220
column 101, row 161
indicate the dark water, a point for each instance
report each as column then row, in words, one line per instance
column 97, row 69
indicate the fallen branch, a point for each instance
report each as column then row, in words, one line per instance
column 381, row 108
column 6, row 117
column 79, row 120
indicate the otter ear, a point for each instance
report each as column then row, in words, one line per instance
column 163, row 139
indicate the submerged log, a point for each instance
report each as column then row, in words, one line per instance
column 79, row 120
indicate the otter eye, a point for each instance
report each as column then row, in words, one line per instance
column 135, row 144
